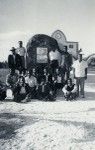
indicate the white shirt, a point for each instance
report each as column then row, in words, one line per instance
column 22, row 91
column 32, row 81
column 54, row 55
column 21, row 51
column 59, row 79
column 80, row 68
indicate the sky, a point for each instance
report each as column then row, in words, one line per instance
column 21, row 19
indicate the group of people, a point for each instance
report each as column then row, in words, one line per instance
column 72, row 87
column 44, row 85
column 17, row 60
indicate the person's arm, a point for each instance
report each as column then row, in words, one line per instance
column 59, row 58
column 86, row 73
column 49, row 56
column 9, row 61
column 17, row 80
column 36, row 82
column 62, row 60
column 64, row 89
column 86, row 66
column 74, row 89
column 8, row 80
column 25, row 57
column 71, row 59
column 73, row 72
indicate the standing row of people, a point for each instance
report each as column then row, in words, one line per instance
column 31, row 84
column 17, row 60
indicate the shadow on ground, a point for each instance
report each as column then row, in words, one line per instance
column 9, row 123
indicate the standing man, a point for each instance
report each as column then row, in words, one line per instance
column 80, row 74
column 22, row 52
column 54, row 58
column 14, row 60
column 66, row 63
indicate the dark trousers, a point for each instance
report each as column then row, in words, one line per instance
column 65, row 71
column 70, row 96
column 32, row 93
column 53, row 65
column 42, row 95
column 19, row 97
column 59, row 85
column 50, row 97
column 2, row 95
column 80, row 85
column 23, row 64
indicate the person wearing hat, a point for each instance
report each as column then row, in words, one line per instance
column 80, row 74
column 22, row 52
column 14, row 60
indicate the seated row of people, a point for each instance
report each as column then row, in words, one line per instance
column 40, row 86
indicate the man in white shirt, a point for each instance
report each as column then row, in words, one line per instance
column 54, row 58
column 31, row 81
column 22, row 52
column 80, row 74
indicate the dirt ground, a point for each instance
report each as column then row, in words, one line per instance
column 59, row 125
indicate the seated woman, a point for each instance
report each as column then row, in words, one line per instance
column 2, row 91
column 70, row 90
column 21, row 90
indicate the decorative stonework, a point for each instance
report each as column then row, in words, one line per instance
column 61, row 39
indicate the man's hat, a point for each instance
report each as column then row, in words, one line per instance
column 13, row 49
column 20, row 41
column 81, row 53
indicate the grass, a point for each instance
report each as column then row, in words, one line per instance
column 3, row 74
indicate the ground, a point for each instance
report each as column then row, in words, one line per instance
column 58, row 125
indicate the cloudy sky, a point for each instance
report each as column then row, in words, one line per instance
column 21, row 19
